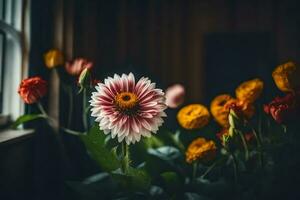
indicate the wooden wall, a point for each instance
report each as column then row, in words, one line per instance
column 165, row 37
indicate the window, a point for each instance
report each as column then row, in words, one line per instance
column 14, row 15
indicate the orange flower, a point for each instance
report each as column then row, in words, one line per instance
column 32, row 89
column 76, row 66
column 286, row 77
column 201, row 149
column 193, row 116
column 221, row 105
column 53, row 58
column 249, row 90
column 218, row 109
column 244, row 109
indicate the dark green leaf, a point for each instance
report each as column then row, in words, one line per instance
column 26, row 118
column 96, row 177
column 94, row 141
column 166, row 153
column 171, row 180
column 135, row 179
column 194, row 196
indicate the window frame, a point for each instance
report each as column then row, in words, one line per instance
column 15, row 25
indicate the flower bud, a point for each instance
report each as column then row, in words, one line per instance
column 234, row 120
column 84, row 79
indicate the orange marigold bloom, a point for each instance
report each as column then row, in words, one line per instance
column 242, row 108
column 32, row 89
column 53, row 58
column 218, row 109
column 221, row 105
column 201, row 149
column 286, row 77
column 193, row 116
column 249, row 90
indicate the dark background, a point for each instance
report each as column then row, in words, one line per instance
column 209, row 46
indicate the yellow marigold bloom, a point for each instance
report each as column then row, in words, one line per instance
column 287, row 77
column 218, row 109
column 249, row 90
column 53, row 58
column 201, row 149
column 193, row 116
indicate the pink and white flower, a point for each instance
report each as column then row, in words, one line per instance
column 75, row 67
column 126, row 109
column 175, row 95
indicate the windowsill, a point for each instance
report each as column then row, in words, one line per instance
column 10, row 136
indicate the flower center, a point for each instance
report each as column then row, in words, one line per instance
column 126, row 101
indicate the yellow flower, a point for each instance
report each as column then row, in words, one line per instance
column 201, row 149
column 53, row 58
column 287, row 77
column 245, row 108
column 218, row 109
column 249, row 90
column 193, row 116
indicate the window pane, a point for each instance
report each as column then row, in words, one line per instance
column 2, row 47
column 2, row 11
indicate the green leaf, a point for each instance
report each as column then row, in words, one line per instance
column 94, row 141
column 194, row 196
column 26, row 118
column 166, row 153
column 171, row 180
column 176, row 140
column 170, row 177
column 153, row 142
column 134, row 179
column 96, row 177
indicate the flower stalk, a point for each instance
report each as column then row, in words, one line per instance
column 244, row 145
column 84, row 116
column 195, row 169
column 70, row 106
column 125, row 158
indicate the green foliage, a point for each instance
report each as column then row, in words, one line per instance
column 134, row 179
column 166, row 153
column 27, row 118
column 94, row 141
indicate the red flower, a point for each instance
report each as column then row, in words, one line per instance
column 76, row 66
column 32, row 89
column 284, row 108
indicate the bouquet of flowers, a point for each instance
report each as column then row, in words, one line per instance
column 238, row 157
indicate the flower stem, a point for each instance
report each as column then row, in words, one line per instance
column 72, row 132
column 125, row 158
column 195, row 169
column 52, row 121
column 209, row 169
column 84, row 117
column 70, row 106
column 41, row 108
column 235, row 167
column 259, row 146
column 244, row 144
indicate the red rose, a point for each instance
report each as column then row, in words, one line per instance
column 76, row 66
column 284, row 108
column 32, row 89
